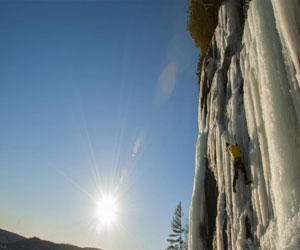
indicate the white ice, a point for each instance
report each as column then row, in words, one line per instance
column 268, row 64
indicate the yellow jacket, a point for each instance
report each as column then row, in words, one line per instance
column 235, row 151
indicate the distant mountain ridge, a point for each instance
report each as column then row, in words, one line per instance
column 8, row 237
column 12, row 241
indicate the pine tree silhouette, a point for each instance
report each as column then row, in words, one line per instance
column 175, row 238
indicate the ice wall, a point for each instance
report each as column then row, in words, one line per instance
column 249, row 94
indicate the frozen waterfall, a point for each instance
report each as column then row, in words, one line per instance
column 250, row 95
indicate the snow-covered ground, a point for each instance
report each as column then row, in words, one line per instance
column 250, row 95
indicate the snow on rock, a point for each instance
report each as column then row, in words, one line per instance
column 250, row 95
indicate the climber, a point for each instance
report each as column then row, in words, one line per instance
column 236, row 155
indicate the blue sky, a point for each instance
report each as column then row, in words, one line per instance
column 96, row 97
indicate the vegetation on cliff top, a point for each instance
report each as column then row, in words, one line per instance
column 202, row 21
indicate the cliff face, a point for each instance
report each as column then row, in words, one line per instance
column 249, row 95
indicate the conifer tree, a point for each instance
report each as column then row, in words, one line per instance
column 175, row 238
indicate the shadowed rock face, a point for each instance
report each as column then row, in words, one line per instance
column 211, row 195
column 11, row 241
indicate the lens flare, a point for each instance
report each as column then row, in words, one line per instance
column 166, row 83
column 136, row 147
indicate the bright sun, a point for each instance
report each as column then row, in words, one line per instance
column 107, row 211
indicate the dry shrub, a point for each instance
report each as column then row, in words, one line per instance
column 202, row 21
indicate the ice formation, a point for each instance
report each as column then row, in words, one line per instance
column 250, row 95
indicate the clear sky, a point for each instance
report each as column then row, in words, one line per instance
column 96, row 97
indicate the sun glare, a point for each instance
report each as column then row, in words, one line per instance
column 107, row 211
